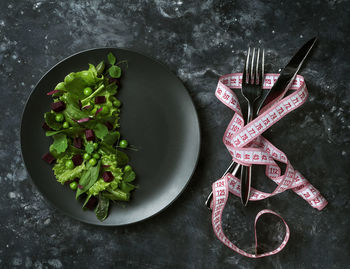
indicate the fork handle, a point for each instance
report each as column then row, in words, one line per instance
column 246, row 171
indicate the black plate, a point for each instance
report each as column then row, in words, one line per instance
column 158, row 117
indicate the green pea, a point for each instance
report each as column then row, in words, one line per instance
column 73, row 185
column 65, row 125
column 123, row 144
column 105, row 110
column 92, row 161
column 95, row 145
column 127, row 168
column 116, row 103
column 87, row 91
column 59, row 117
column 96, row 156
column 69, row 164
column 100, row 67
column 87, row 156
column 60, row 86
column 69, row 78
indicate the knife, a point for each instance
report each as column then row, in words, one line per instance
column 288, row 74
column 284, row 81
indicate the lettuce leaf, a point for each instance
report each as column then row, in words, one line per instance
column 64, row 174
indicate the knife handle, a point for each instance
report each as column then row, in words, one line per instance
column 246, row 178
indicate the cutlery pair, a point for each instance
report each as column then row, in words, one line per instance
column 252, row 83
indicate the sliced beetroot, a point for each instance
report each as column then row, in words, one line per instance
column 100, row 99
column 46, row 127
column 76, row 179
column 77, row 142
column 107, row 176
column 91, row 204
column 53, row 92
column 83, row 120
column 48, row 158
column 89, row 134
column 105, row 165
column 77, row 159
column 109, row 125
column 58, row 106
column 98, row 111
column 80, row 186
column 117, row 81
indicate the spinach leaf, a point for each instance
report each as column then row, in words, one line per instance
column 100, row 130
column 111, row 138
column 122, row 158
column 111, row 58
column 69, row 131
column 101, row 210
column 88, row 179
column 126, row 187
column 115, row 71
column 89, row 147
column 129, row 176
column 87, row 200
column 51, row 121
column 117, row 195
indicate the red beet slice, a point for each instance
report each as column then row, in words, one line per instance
column 117, row 81
column 83, row 120
column 53, row 92
column 107, row 176
column 91, row 204
column 46, row 127
column 89, row 134
column 58, row 106
column 109, row 125
column 48, row 158
column 100, row 99
column 77, row 159
column 77, row 142
column 80, row 186
column 98, row 111
column 105, row 165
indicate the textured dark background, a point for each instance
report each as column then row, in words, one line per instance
column 199, row 41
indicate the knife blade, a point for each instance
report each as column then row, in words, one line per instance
column 288, row 74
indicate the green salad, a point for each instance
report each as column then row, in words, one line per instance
column 86, row 149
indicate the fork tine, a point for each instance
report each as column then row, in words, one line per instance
column 262, row 75
column 252, row 68
column 245, row 77
column 257, row 79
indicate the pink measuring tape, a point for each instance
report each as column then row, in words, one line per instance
column 248, row 147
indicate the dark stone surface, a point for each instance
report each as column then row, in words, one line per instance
column 198, row 40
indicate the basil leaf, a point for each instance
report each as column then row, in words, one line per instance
column 60, row 143
column 111, row 58
column 115, row 71
column 101, row 210
column 50, row 119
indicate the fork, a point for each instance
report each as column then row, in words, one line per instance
column 252, row 91
column 252, row 82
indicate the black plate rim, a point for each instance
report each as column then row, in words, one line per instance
column 47, row 201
